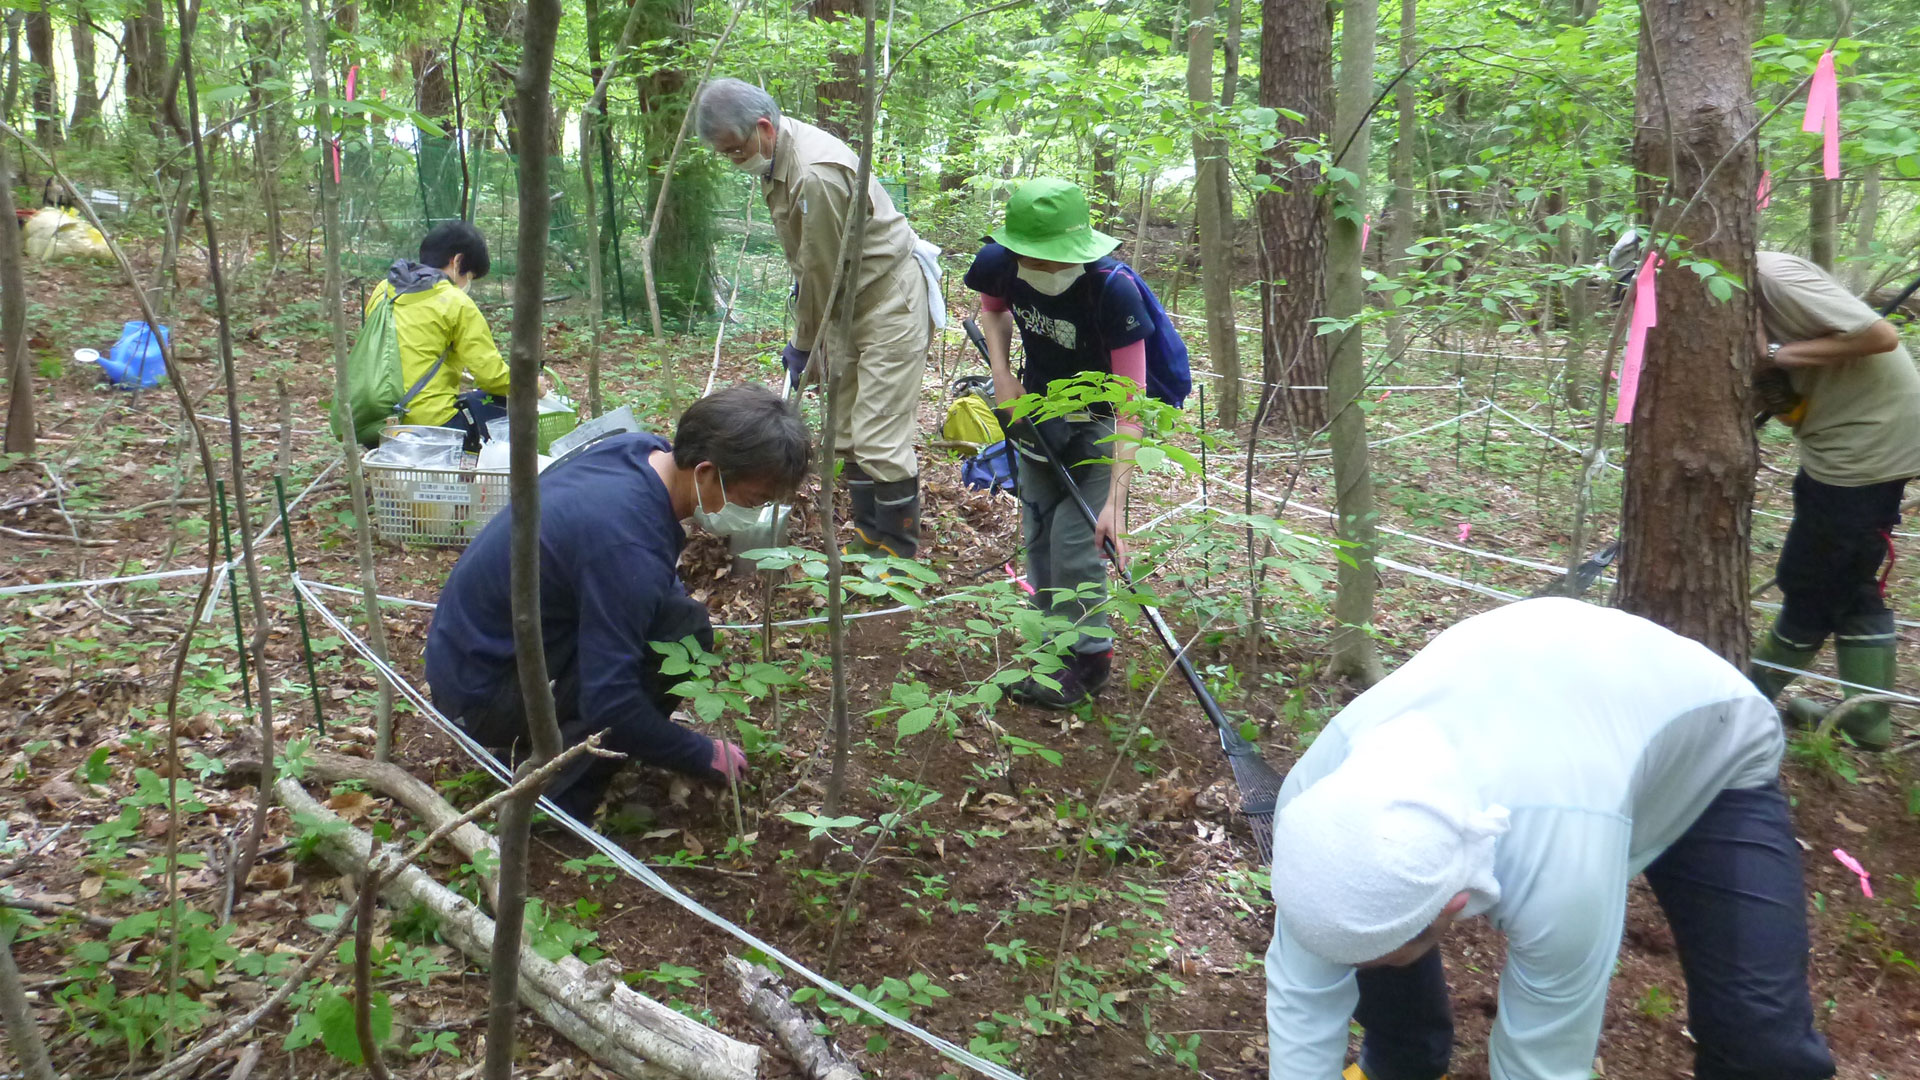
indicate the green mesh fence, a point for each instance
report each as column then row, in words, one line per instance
column 717, row 253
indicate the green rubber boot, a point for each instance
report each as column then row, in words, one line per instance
column 1864, row 653
column 1776, row 649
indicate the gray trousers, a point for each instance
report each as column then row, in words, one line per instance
column 1061, row 557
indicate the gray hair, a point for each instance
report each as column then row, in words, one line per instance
column 731, row 107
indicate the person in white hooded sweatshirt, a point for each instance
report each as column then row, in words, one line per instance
column 1525, row 766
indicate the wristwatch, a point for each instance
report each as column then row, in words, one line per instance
column 1773, row 351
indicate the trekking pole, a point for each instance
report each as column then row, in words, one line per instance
column 239, row 636
column 299, row 607
column 1258, row 781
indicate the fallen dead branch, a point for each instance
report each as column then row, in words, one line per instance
column 625, row 1031
column 769, row 1004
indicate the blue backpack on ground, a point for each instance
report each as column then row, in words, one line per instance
column 991, row 468
column 1168, row 376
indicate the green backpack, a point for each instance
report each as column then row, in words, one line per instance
column 374, row 392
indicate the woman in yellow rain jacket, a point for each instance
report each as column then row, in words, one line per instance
column 438, row 324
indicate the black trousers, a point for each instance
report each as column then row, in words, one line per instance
column 1830, row 565
column 500, row 725
column 1732, row 891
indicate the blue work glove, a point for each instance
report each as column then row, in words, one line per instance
column 796, row 362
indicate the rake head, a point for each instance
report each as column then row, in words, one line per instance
column 1259, row 785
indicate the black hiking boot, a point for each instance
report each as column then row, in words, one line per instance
column 1084, row 676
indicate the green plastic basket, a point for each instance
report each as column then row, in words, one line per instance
column 560, row 421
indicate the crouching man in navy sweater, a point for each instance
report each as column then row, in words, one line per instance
column 610, row 537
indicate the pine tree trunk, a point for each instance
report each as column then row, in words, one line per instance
column 1690, row 473
column 1296, row 74
column 1215, row 219
column 1354, row 655
column 837, row 98
column 86, row 87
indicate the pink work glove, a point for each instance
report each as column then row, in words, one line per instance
column 728, row 760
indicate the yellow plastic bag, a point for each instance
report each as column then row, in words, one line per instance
column 970, row 420
column 61, row 234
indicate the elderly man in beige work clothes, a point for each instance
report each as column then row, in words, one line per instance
column 808, row 177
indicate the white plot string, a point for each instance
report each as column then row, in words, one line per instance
column 225, row 570
column 625, row 860
column 220, row 570
column 1317, row 454
column 404, row 601
column 1550, row 437
column 1480, row 553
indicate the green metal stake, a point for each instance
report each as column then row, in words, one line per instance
column 299, row 607
column 239, row 638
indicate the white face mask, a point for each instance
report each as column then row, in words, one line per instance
column 1051, row 282
column 759, row 165
column 729, row 519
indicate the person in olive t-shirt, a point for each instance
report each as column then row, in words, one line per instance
column 1857, row 422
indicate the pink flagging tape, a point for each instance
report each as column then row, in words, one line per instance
column 1645, row 317
column 1765, row 195
column 1823, row 113
column 353, row 79
column 1853, row 864
column 1366, row 230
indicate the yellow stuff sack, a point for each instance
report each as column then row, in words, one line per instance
column 59, row 234
column 970, row 420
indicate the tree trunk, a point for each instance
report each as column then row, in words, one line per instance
column 1580, row 299
column 532, row 91
column 333, row 244
column 596, row 277
column 146, row 63
column 1823, row 220
column 46, row 106
column 13, row 329
column 1354, row 655
column 1215, row 219
column 1296, row 73
column 259, row 37
column 23, row 1033
column 1689, row 482
column 843, row 292
column 1860, row 275
column 837, row 98
column 1399, row 224
column 86, row 86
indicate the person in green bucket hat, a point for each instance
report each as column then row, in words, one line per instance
column 1048, row 270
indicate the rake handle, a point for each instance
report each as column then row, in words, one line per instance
column 1230, row 740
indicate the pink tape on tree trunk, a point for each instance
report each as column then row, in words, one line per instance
column 353, row 75
column 1645, row 317
column 1765, row 194
column 1366, row 230
column 1823, row 113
